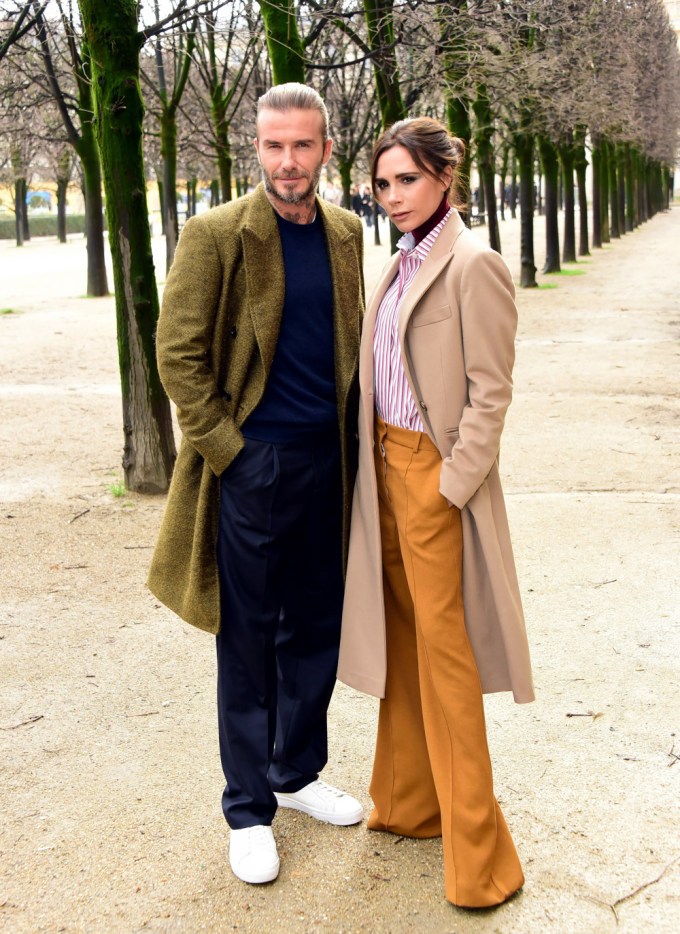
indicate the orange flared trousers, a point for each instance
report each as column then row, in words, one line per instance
column 432, row 771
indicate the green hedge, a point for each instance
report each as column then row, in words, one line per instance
column 43, row 225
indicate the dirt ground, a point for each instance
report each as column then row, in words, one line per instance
column 110, row 780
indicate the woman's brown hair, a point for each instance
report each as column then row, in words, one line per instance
column 430, row 145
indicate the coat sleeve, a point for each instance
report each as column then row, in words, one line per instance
column 489, row 324
column 183, row 342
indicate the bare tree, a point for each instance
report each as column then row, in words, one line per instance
column 173, row 51
column 66, row 64
column 20, row 19
column 227, row 51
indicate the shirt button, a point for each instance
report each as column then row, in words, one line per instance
column 423, row 406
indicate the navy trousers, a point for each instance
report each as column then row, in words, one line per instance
column 280, row 564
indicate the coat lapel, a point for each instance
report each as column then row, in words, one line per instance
column 438, row 258
column 263, row 264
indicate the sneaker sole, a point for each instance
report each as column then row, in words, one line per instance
column 339, row 820
column 257, row 878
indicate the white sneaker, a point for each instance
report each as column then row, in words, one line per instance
column 252, row 854
column 323, row 802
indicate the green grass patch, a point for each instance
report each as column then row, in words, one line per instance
column 568, row 272
column 548, row 285
column 9, row 311
column 117, row 488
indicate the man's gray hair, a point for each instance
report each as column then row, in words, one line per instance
column 294, row 96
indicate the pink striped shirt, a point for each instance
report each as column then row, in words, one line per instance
column 393, row 397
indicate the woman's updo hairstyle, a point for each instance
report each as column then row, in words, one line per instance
column 430, row 145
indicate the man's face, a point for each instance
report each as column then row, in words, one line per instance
column 292, row 153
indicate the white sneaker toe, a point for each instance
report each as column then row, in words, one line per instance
column 324, row 802
column 252, row 854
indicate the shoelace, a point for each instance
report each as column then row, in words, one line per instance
column 259, row 833
column 334, row 792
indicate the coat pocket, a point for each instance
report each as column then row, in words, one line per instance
column 427, row 315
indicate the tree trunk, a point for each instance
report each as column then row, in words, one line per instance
column 604, row 190
column 161, row 198
column 566, row 151
column 376, row 228
column 222, row 145
column 630, row 189
column 345, row 170
column 286, row 53
column 502, row 182
column 552, row 232
column 560, row 191
column 581, row 165
column 63, row 178
column 481, row 199
column 458, row 122
column 596, row 197
column 524, row 147
column 621, row 176
column 224, row 164
column 111, row 31
column 62, row 187
column 97, row 280
column 513, row 187
column 192, row 184
column 24, row 212
column 486, row 163
column 215, row 193
column 641, row 187
column 169, row 155
column 19, row 205
column 613, row 193
column 489, row 188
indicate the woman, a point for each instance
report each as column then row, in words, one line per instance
column 433, row 615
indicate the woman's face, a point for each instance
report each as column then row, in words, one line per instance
column 409, row 196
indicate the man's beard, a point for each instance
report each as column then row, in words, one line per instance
column 292, row 197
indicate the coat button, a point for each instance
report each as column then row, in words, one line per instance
column 234, row 331
column 227, row 395
column 423, row 406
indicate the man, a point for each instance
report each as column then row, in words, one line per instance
column 258, row 344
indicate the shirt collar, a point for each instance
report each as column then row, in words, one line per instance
column 407, row 244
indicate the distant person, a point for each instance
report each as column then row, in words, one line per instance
column 258, row 343
column 433, row 615
column 367, row 205
column 355, row 201
column 332, row 193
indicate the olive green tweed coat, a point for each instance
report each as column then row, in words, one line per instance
column 216, row 338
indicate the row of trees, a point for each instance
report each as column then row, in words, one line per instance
column 530, row 85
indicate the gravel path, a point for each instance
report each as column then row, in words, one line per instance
column 109, row 772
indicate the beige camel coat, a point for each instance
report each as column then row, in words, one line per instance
column 457, row 330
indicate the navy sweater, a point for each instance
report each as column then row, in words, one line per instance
column 300, row 397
